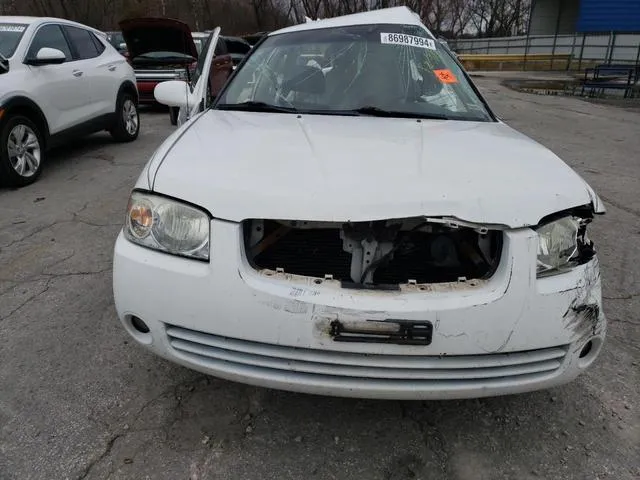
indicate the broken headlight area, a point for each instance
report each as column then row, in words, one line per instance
column 563, row 244
column 377, row 254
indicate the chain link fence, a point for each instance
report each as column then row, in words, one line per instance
column 575, row 52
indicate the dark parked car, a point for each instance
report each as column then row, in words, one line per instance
column 236, row 47
column 254, row 38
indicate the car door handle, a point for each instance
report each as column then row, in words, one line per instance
column 111, row 68
column 77, row 73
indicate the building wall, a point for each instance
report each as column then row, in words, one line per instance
column 550, row 17
column 609, row 16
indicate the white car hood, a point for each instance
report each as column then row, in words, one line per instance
column 241, row 165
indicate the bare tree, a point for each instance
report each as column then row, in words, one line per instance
column 450, row 18
column 493, row 18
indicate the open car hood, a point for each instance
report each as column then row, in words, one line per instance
column 145, row 35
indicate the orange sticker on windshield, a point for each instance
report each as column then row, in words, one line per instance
column 446, row 76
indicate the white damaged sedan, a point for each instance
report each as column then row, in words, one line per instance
column 349, row 218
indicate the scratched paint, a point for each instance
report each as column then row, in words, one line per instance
column 584, row 317
column 289, row 306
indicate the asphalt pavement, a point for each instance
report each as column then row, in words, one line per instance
column 80, row 400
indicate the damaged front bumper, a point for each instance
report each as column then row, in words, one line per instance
column 508, row 334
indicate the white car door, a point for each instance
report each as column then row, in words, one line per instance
column 58, row 89
column 99, row 71
column 199, row 100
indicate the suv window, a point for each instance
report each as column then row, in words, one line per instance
column 10, row 36
column 49, row 36
column 82, row 42
column 99, row 45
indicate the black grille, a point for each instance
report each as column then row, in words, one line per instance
column 414, row 261
column 312, row 253
column 317, row 252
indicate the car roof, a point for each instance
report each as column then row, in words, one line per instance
column 395, row 15
column 10, row 19
column 36, row 20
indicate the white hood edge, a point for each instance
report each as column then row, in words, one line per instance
column 330, row 168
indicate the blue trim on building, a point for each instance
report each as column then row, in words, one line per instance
column 609, row 16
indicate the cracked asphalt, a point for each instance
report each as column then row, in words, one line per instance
column 80, row 400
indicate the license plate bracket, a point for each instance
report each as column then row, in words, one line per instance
column 391, row 331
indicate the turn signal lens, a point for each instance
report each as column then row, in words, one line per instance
column 140, row 219
column 167, row 225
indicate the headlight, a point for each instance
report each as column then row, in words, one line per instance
column 563, row 244
column 167, row 225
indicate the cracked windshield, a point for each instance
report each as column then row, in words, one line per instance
column 10, row 35
column 384, row 70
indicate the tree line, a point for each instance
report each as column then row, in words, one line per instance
column 449, row 18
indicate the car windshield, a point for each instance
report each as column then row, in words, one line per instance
column 392, row 70
column 10, row 35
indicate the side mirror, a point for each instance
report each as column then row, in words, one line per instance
column 48, row 56
column 173, row 93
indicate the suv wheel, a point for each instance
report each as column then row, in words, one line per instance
column 21, row 152
column 127, row 124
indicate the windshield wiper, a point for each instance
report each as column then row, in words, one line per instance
column 370, row 110
column 253, row 106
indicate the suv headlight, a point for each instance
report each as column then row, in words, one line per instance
column 167, row 225
column 562, row 245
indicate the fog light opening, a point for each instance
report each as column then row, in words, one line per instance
column 586, row 350
column 140, row 326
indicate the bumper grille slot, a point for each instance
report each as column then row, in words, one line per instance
column 198, row 347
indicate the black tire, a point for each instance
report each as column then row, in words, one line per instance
column 123, row 131
column 173, row 115
column 9, row 164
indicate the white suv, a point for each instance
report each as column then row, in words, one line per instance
column 58, row 80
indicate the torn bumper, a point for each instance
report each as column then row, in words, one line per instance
column 510, row 334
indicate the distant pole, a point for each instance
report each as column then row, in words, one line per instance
column 573, row 47
column 526, row 52
column 533, row 3
column 555, row 34
column 529, row 23
column 613, row 47
column 607, row 55
column 584, row 36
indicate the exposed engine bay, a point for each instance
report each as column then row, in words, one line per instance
column 376, row 254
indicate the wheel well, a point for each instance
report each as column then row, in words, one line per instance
column 128, row 87
column 32, row 112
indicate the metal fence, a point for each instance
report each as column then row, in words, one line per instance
column 584, row 49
